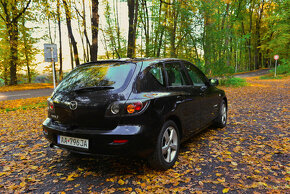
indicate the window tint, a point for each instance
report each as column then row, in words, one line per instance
column 151, row 79
column 114, row 75
column 176, row 76
column 157, row 73
column 196, row 76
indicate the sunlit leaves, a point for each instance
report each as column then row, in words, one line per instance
column 250, row 155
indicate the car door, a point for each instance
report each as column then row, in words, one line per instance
column 187, row 104
column 201, row 88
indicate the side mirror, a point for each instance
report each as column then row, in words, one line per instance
column 213, row 82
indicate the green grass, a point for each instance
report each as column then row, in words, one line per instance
column 271, row 76
column 233, row 82
column 32, row 106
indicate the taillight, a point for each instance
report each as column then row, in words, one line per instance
column 130, row 107
column 134, row 107
column 50, row 104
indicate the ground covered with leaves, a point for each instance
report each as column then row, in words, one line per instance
column 33, row 86
column 250, row 155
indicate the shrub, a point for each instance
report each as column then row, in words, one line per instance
column 233, row 81
column 283, row 69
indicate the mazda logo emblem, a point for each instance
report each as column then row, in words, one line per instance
column 73, row 105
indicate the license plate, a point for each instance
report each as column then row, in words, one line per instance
column 72, row 141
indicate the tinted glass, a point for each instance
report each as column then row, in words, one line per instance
column 196, row 76
column 113, row 75
column 157, row 73
column 175, row 74
column 151, row 79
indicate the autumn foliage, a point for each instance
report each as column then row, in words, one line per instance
column 250, row 155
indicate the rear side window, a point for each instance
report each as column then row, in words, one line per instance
column 151, row 79
column 113, row 75
column 195, row 74
column 175, row 74
column 157, row 73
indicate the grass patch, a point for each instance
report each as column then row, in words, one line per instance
column 271, row 76
column 233, row 82
column 32, row 106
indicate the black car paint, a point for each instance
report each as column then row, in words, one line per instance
column 192, row 108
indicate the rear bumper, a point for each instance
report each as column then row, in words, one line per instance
column 141, row 139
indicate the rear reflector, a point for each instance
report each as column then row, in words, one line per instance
column 120, row 141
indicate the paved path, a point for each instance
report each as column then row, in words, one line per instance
column 253, row 73
column 13, row 95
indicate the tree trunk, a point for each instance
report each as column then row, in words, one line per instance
column 258, row 54
column 95, row 30
column 13, row 52
column 133, row 15
column 60, row 40
column 70, row 33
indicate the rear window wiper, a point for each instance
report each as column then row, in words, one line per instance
column 93, row 88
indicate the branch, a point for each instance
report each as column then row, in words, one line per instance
column 78, row 13
column 4, row 5
column 166, row 2
column 23, row 10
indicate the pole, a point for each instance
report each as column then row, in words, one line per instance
column 53, row 67
column 275, row 68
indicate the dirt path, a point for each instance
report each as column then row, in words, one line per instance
column 250, row 154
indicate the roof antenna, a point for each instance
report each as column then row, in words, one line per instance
column 117, row 52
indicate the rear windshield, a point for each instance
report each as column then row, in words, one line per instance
column 113, row 75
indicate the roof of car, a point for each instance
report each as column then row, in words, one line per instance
column 129, row 60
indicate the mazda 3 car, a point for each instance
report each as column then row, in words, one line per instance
column 137, row 107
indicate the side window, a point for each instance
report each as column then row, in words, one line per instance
column 176, row 75
column 151, row 79
column 196, row 76
column 157, row 73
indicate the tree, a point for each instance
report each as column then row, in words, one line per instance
column 133, row 16
column 95, row 30
column 11, row 11
column 70, row 32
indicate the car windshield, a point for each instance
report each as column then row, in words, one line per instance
column 102, row 76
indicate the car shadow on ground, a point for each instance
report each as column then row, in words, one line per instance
column 114, row 165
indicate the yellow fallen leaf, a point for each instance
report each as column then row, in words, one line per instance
column 218, row 174
column 121, row 182
column 6, row 168
column 225, row 190
column 34, row 167
column 234, row 163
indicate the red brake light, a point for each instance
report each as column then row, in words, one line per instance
column 136, row 106
column 120, row 141
column 50, row 105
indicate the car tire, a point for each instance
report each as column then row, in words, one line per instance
column 167, row 147
column 221, row 120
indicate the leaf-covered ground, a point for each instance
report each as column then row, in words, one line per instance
column 33, row 86
column 250, row 155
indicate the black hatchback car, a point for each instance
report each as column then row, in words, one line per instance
column 139, row 107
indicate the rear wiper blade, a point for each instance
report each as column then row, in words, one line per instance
column 94, row 88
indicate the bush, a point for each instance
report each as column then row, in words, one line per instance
column 2, row 83
column 233, row 81
column 283, row 69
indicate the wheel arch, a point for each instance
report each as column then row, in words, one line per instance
column 176, row 120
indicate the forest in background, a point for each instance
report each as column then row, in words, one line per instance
column 219, row 36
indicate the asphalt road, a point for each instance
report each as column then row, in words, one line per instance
column 14, row 95
column 253, row 73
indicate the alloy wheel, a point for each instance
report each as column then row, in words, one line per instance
column 169, row 144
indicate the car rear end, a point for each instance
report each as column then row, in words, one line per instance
column 87, row 111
